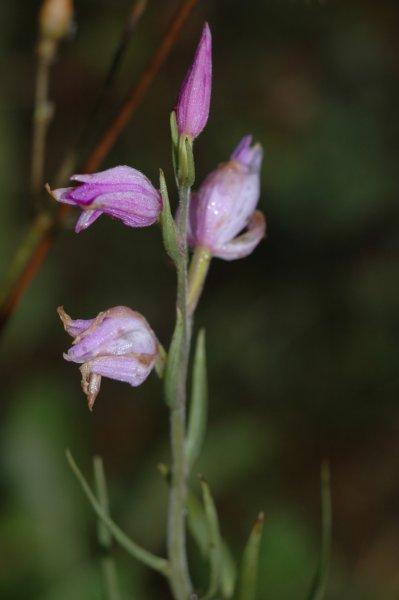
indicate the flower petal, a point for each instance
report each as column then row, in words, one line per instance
column 86, row 219
column 63, row 195
column 73, row 327
column 136, row 209
column 192, row 108
column 116, row 331
column 130, row 368
column 244, row 244
column 115, row 175
column 247, row 156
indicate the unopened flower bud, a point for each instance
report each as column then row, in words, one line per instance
column 118, row 344
column 122, row 193
column 55, row 18
column 225, row 204
column 192, row 108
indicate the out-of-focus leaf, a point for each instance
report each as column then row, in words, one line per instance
column 103, row 532
column 147, row 558
column 44, row 514
column 228, row 572
column 198, row 527
column 199, row 403
column 197, row 523
column 249, row 566
column 319, row 586
column 214, row 540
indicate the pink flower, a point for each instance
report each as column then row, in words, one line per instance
column 192, row 108
column 118, row 344
column 122, row 193
column 225, row 204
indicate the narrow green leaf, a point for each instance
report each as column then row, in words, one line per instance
column 197, row 523
column 173, row 361
column 319, row 586
column 199, row 530
column 169, row 234
column 199, row 403
column 249, row 566
column 228, row 572
column 103, row 532
column 147, row 558
column 174, row 132
column 214, row 540
column 185, row 158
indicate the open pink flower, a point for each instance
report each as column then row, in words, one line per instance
column 121, row 192
column 225, row 204
column 192, row 108
column 118, row 344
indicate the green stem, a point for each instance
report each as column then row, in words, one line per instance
column 104, row 536
column 196, row 277
column 179, row 574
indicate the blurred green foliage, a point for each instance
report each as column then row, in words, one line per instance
column 302, row 336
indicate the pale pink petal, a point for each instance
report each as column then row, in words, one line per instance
column 244, row 244
column 135, row 209
column 62, row 195
column 116, row 331
column 74, row 327
column 86, row 219
column 133, row 369
column 115, row 175
column 250, row 157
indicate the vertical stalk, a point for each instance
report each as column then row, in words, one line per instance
column 179, row 574
column 43, row 112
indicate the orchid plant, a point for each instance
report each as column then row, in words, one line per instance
column 119, row 343
column 219, row 219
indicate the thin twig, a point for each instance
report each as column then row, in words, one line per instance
column 137, row 92
column 72, row 157
column 41, row 119
column 22, row 272
column 43, row 111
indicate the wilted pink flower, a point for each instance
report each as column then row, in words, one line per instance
column 122, row 193
column 118, row 344
column 225, row 203
column 192, row 108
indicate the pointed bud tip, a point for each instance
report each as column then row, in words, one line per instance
column 55, row 18
column 258, row 524
column 193, row 103
column 65, row 318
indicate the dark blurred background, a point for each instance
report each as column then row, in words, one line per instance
column 302, row 336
